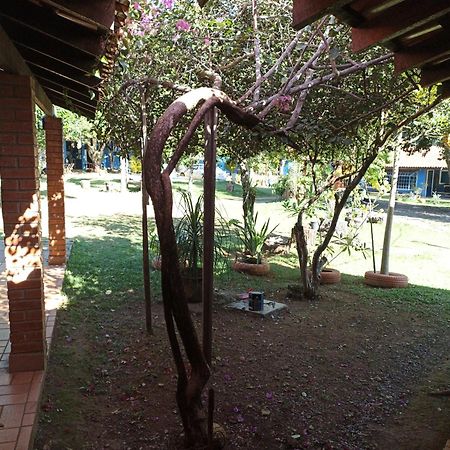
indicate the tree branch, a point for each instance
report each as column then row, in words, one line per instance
column 287, row 51
column 150, row 81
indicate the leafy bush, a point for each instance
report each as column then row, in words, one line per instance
column 253, row 238
column 135, row 165
column 189, row 235
column 282, row 185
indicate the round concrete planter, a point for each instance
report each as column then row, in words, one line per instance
column 393, row 280
column 251, row 269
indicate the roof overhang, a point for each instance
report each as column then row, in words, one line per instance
column 60, row 43
column 418, row 32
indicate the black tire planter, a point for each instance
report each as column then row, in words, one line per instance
column 390, row 281
column 259, row 270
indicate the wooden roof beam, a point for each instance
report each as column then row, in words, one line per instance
column 419, row 55
column 90, row 97
column 99, row 13
column 61, row 53
column 71, row 102
column 71, row 98
column 58, row 68
column 11, row 61
column 72, row 105
column 397, row 21
column 305, row 12
column 445, row 89
column 432, row 75
column 42, row 74
column 61, row 30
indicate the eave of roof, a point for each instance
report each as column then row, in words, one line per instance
column 427, row 159
column 62, row 42
column 417, row 32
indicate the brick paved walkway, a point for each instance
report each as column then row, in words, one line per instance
column 20, row 392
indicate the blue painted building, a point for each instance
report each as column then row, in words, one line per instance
column 424, row 173
column 77, row 157
column 111, row 158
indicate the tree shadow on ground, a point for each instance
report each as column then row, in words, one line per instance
column 425, row 212
column 107, row 258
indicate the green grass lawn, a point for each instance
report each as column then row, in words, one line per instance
column 419, row 248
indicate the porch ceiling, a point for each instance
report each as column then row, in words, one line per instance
column 418, row 32
column 62, row 42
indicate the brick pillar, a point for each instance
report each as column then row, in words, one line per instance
column 21, row 218
column 55, row 191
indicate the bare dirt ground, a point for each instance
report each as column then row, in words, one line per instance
column 342, row 373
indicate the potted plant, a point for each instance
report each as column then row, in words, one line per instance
column 252, row 239
column 189, row 236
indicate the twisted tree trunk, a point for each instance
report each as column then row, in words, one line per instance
column 192, row 377
column 309, row 279
column 248, row 195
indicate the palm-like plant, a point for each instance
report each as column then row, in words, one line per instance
column 253, row 238
column 189, row 232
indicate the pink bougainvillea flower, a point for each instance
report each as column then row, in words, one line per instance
column 168, row 3
column 137, row 31
column 283, row 103
column 137, row 6
column 207, row 41
column 182, row 25
column 146, row 19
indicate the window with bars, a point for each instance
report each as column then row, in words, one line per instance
column 407, row 181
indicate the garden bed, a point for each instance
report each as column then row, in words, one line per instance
column 350, row 371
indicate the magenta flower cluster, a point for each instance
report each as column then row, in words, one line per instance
column 182, row 25
column 283, row 103
column 168, row 4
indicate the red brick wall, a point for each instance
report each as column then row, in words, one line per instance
column 21, row 218
column 55, row 191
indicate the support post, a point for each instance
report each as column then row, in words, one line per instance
column 55, row 191
column 145, row 201
column 22, row 223
column 390, row 214
column 209, row 189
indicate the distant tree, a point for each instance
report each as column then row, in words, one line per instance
column 430, row 129
column 80, row 129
